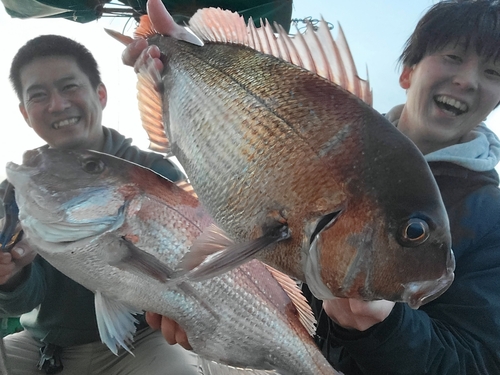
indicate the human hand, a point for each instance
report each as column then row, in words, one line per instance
column 138, row 53
column 172, row 332
column 12, row 262
column 356, row 314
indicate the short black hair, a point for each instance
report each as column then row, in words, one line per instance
column 53, row 45
column 472, row 22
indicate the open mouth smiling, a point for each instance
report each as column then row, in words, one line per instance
column 451, row 105
column 66, row 122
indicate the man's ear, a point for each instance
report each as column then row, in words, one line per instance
column 102, row 93
column 23, row 111
column 405, row 77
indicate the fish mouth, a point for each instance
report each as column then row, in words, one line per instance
column 21, row 174
column 419, row 293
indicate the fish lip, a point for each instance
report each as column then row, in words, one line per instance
column 15, row 171
column 419, row 293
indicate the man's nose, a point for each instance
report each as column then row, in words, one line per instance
column 58, row 102
column 467, row 77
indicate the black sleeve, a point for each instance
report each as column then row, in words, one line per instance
column 458, row 333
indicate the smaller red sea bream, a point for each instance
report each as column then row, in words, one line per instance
column 121, row 231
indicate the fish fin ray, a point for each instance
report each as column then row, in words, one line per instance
column 271, row 38
column 298, row 299
column 217, row 25
column 303, row 50
column 315, row 50
column 145, row 28
column 208, row 367
column 354, row 83
column 211, row 241
column 151, row 108
column 348, row 62
column 283, row 46
column 336, row 68
column 187, row 187
column 291, row 49
column 230, row 256
column 116, row 323
column 126, row 256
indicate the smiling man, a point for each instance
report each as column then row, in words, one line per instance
column 62, row 104
column 62, row 97
column 449, row 92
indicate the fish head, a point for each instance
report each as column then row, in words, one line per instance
column 390, row 240
column 67, row 195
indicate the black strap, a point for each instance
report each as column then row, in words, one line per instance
column 50, row 359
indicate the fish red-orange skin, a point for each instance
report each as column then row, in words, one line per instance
column 266, row 142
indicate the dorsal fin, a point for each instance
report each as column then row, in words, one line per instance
column 316, row 51
column 291, row 288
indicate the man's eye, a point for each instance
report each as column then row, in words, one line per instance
column 493, row 73
column 70, row 86
column 454, row 58
column 37, row 96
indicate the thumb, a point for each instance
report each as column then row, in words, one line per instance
column 23, row 253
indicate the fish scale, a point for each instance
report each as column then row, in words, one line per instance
column 243, row 318
column 283, row 131
column 271, row 147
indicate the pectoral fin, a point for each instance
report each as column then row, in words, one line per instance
column 116, row 323
column 214, row 253
column 125, row 255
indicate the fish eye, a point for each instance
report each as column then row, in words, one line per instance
column 93, row 165
column 414, row 232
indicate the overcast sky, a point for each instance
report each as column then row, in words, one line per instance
column 375, row 30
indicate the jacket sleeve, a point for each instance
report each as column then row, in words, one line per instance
column 28, row 295
column 458, row 333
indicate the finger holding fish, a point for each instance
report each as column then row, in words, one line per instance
column 12, row 263
column 356, row 314
column 170, row 329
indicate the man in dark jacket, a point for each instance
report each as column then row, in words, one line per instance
column 451, row 73
column 62, row 98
